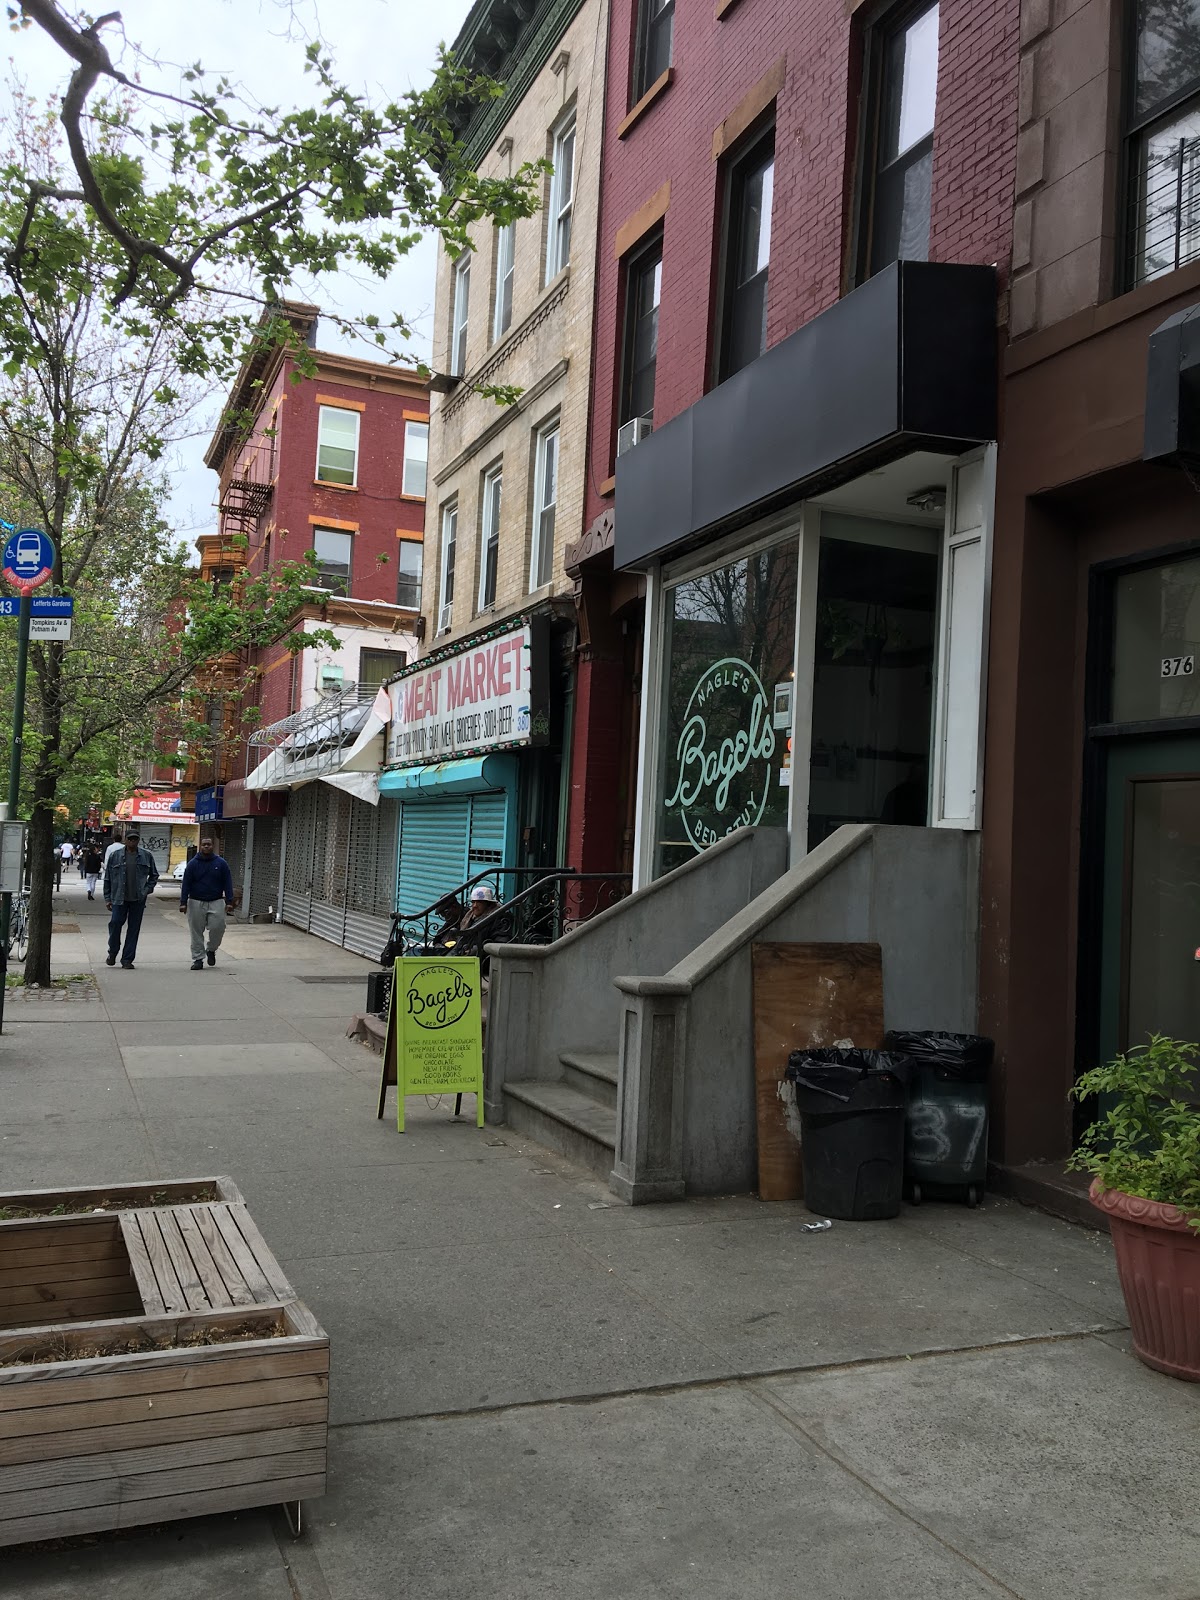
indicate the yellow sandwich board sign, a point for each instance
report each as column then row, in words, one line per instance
column 435, row 1031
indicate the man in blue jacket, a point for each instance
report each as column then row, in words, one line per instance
column 206, row 891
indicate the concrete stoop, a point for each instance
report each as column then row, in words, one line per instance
column 575, row 1115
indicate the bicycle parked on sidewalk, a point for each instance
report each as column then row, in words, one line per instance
column 18, row 925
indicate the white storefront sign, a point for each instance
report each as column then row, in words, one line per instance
column 484, row 698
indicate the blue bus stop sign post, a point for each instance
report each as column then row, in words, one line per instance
column 28, row 562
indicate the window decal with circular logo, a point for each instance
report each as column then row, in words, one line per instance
column 724, row 753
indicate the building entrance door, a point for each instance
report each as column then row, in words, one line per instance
column 1150, row 979
column 873, row 674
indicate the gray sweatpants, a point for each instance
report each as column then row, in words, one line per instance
column 201, row 915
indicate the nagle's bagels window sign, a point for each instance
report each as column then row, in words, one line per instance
column 491, row 696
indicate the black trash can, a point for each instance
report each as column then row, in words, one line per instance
column 851, row 1105
column 945, row 1138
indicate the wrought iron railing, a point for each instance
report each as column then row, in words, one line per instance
column 1164, row 231
column 538, row 908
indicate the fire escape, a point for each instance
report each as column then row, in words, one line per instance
column 245, row 498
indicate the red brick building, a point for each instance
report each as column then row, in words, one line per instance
column 700, row 99
column 328, row 467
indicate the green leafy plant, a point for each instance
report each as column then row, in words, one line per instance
column 1146, row 1140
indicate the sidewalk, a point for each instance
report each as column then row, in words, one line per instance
column 537, row 1393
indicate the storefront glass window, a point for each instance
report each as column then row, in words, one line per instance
column 1156, row 643
column 729, row 663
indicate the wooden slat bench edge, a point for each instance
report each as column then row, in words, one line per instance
column 90, row 1195
column 137, row 1513
column 253, row 1362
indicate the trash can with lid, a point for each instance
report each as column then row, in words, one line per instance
column 945, row 1140
column 851, row 1105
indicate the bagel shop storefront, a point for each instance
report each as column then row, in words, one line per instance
column 816, row 539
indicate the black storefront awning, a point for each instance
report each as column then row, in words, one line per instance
column 906, row 362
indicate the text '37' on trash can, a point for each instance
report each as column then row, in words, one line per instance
column 945, row 1142
column 851, row 1105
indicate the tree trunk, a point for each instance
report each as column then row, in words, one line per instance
column 41, row 879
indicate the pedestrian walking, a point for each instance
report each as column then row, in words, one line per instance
column 129, row 880
column 80, row 853
column 204, row 895
column 66, row 852
column 56, row 862
column 92, row 864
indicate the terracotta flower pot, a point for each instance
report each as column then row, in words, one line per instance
column 1158, row 1263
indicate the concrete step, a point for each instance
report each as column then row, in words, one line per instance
column 564, row 1120
column 593, row 1073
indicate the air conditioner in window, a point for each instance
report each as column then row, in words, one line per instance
column 444, row 619
column 633, row 432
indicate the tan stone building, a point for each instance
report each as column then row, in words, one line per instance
column 506, row 483
column 478, row 752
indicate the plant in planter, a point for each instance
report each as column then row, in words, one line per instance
column 1143, row 1152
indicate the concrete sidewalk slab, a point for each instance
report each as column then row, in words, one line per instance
column 457, row 1325
column 171, row 1060
column 775, row 1297
column 697, row 1496
column 64, row 1149
column 95, row 1097
column 74, row 1049
column 318, row 1096
column 264, row 1028
column 1060, row 1468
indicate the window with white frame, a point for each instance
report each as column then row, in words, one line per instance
column 409, row 562
column 489, row 541
column 416, row 458
column 446, row 585
column 333, row 550
column 337, row 446
column 506, row 249
column 562, row 198
column 545, row 497
column 461, row 301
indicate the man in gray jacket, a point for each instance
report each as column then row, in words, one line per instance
column 129, row 879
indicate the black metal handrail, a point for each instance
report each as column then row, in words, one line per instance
column 538, row 913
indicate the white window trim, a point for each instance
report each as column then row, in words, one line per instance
column 507, row 231
column 338, row 533
column 539, row 485
column 414, row 422
column 420, row 546
column 493, row 482
column 345, row 411
column 460, row 315
column 449, row 512
column 556, row 209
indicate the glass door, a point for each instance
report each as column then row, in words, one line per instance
column 1150, row 978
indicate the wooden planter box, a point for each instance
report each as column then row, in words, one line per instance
column 92, row 1441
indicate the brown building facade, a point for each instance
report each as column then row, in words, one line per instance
column 1090, row 903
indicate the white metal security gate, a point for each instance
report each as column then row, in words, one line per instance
column 339, row 867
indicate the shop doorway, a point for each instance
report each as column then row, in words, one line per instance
column 1150, row 979
column 873, row 674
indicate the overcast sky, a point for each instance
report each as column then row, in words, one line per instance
column 381, row 47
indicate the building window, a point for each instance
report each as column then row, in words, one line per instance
column 1164, row 140
column 337, row 446
column 902, row 67
column 545, row 496
column 446, row 586
column 747, row 256
column 332, row 550
column 562, row 199
column 377, row 666
column 489, row 542
column 416, row 458
column 408, row 576
column 458, row 321
column 656, row 27
column 643, row 286
column 506, row 249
